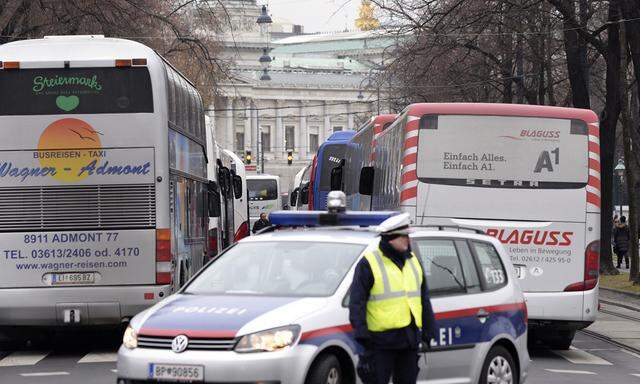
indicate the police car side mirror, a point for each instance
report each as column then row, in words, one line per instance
column 293, row 198
column 366, row 181
column 213, row 195
column 237, row 186
column 304, row 195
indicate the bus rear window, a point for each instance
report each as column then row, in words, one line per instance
column 503, row 152
column 262, row 189
column 53, row 91
column 331, row 157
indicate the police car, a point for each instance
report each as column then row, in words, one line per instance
column 274, row 308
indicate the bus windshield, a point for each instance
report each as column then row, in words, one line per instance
column 262, row 189
column 331, row 157
column 51, row 91
column 503, row 152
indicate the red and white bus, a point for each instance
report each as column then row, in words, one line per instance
column 528, row 175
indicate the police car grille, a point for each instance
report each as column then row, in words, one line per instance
column 88, row 207
column 156, row 342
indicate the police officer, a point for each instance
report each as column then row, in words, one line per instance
column 390, row 310
column 261, row 223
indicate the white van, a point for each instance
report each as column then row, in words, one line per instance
column 264, row 195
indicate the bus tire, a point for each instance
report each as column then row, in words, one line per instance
column 499, row 363
column 325, row 370
column 562, row 340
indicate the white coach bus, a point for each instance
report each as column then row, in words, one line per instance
column 528, row 175
column 103, row 180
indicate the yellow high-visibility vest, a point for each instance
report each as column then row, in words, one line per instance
column 395, row 295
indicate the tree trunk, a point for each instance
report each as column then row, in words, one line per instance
column 631, row 11
column 608, row 122
column 578, row 78
column 630, row 173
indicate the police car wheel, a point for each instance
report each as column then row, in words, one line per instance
column 326, row 370
column 499, row 367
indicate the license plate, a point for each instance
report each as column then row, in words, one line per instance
column 171, row 372
column 73, row 278
column 521, row 271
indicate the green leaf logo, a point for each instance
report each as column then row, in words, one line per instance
column 67, row 103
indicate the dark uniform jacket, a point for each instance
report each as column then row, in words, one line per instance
column 621, row 238
column 408, row 337
column 260, row 224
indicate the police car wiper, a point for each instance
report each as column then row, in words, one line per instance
column 451, row 273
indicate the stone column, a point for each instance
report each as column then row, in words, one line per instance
column 327, row 124
column 226, row 140
column 278, row 146
column 254, row 129
column 303, row 132
column 349, row 117
column 247, row 125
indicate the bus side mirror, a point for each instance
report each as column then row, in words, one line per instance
column 293, row 198
column 336, row 176
column 237, row 186
column 366, row 181
column 304, row 195
column 214, row 199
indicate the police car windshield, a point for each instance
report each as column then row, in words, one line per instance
column 278, row 268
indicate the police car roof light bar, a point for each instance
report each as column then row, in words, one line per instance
column 456, row 227
column 322, row 218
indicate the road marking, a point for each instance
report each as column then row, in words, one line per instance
column 570, row 371
column 114, row 370
column 21, row 358
column 635, row 374
column 38, row 374
column 630, row 353
column 99, row 357
column 577, row 356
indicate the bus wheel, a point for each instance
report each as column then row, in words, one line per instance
column 561, row 340
column 326, row 370
column 499, row 367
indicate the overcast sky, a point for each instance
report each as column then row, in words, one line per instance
column 316, row 15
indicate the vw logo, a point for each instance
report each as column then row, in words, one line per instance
column 179, row 343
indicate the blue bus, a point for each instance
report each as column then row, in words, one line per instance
column 330, row 155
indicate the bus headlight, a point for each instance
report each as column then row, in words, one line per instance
column 269, row 341
column 130, row 338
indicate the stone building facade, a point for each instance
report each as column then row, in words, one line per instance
column 319, row 85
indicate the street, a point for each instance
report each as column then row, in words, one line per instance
column 92, row 359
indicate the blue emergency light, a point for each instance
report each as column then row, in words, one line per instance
column 323, row 218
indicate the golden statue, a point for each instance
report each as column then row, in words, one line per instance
column 367, row 21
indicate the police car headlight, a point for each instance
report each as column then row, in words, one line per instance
column 130, row 339
column 269, row 341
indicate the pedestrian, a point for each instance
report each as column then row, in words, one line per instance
column 263, row 222
column 621, row 241
column 390, row 310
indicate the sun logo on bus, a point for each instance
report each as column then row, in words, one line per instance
column 68, row 145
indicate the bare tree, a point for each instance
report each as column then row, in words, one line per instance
column 181, row 30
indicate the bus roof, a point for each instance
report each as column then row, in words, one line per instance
column 263, row 176
column 71, row 48
column 341, row 136
column 489, row 109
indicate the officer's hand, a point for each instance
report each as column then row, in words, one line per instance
column 365, row 367
column 424, row 347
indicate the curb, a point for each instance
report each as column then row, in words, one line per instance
column 630, row 294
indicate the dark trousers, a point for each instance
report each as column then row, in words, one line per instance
column 401, row 364
column 621, row 255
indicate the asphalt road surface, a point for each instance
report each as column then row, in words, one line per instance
column 90, row 358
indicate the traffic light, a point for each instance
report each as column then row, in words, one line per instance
column 247, row 157
column 289, row 157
